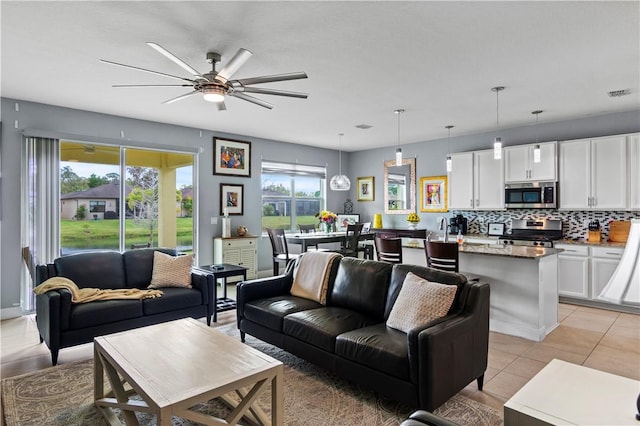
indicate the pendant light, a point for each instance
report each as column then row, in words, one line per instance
column 340, row 182
column 536, row 148
column 449, row 161
column 497, row 143
column 398, row 149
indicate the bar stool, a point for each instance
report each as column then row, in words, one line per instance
column 445, row 257
column 389, row 249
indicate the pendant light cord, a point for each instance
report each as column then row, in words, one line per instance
column 340, row 153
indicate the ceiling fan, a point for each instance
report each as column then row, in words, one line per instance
column 215, row 85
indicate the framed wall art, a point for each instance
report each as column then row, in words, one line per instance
column 231, row 199
column 433, row 194
column 366, row 188
column 346, row 219
column 231, row 157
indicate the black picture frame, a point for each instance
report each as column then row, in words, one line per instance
column 231, row 157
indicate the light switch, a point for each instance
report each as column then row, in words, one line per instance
column 214, row 220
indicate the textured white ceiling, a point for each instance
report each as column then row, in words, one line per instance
column 437, row 60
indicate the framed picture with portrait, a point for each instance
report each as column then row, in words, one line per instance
column 433, row 194
column 366, row 188
column 231, row 199
column 231, row 157
column 346, row 219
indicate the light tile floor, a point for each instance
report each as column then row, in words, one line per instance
column 600, row 339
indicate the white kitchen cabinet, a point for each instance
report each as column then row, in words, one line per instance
column 593, row 174
column 519, row 164
column 604, row 261
column 573, row 271
column 241, row 251
column 634, row 171
column 476, row 181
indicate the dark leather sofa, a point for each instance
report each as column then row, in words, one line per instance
column 62, row 324
column 349, row 337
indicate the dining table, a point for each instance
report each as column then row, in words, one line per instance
column 315, row 238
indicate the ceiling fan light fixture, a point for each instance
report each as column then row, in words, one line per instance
column 213, row 94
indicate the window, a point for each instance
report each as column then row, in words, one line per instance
column 97, row 206
column 292, row 194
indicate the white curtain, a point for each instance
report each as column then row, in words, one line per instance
column 40, row 210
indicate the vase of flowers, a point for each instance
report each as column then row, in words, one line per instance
column 413, row 220
column 328, row 218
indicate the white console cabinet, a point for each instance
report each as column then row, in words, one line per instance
column 241, row 251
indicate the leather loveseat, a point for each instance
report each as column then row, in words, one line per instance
column 348, row 334
column 62, row 324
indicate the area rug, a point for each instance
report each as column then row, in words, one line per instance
column 63, row 395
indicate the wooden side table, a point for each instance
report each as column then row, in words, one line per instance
column 222, row 272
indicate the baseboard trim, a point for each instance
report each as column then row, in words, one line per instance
column 8, row 313
column 600, row 304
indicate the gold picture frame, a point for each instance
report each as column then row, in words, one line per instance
column 366, row 188
column 434, row 195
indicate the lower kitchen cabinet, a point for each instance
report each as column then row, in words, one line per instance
column 584, row 271
column 241, row 251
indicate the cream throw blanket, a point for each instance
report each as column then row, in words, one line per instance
column 84, row 295
column 311, row 277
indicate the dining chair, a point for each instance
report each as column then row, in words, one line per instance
column 308, row 229
column 280, row 249
column 366, row 247
column 349, row 245
column 445, row 257
column 389, row 249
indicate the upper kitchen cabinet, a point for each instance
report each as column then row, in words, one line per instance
column 476, row 181
column 593, row 174
column 634, row 171
column 520, row 164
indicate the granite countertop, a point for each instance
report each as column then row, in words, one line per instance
column 522, row 252
column 582, row 242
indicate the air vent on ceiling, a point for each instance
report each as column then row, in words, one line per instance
column 364, row 126
column 619, row 93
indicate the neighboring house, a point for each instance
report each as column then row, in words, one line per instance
column 101, row 202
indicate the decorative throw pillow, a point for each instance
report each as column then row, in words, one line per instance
column 419, row 302
column 311, row 276
column 171, row 271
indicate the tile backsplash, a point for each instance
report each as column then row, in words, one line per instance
column 574, row 223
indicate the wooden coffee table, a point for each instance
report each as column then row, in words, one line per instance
column 176, row 365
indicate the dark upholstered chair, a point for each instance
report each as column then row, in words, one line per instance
column 308, row 229
column 445, row 257
column 349, row 246
column 366, row 246
column 280, row 250
column 389, row 249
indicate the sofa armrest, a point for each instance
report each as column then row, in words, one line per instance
column 459, row 344
column 246, row 291
column 205, row 283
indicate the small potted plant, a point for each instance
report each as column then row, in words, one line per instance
column 413, row 220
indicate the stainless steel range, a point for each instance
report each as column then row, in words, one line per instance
column 533, row 232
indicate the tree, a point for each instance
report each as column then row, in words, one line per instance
column 70, row 181
column 94, row 181
column 187, row 205
column 81, row 212
column 143, row 198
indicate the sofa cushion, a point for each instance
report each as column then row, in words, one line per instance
column 311, row 275
column 378, row 347
column 361, row 285
column 420, row 301
column 171, row 271
column 172, row 299
column 270, row 311
column 85, row 315
column 138, row 265
column 103, row 269
column 319, row 327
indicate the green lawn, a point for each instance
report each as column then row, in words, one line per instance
column 285, row 221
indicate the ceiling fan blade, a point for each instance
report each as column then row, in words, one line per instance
column 252, row 99
column 175, row 59
column 270, row 78
column 151, row 85
column 271, row 92
column 241, row 56
column 146, row 70
column 221, row 106
column 181, row 97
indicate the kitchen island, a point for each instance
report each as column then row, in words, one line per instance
column 523, row 281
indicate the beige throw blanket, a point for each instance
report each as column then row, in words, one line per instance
column 311, row 277
column 84, row 295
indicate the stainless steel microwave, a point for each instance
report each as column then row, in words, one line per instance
column 531, row 195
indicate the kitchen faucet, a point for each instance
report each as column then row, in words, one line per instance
column 444, row 225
